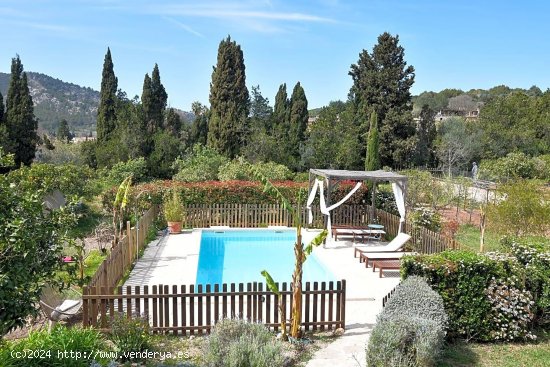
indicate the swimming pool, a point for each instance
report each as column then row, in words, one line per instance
column 238, row 256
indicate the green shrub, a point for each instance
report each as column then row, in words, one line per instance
column 173, row 208
column 52, row 347
column 130, row 335
column 462, row 279
column 415, row 298
column 235, row 343
column 513, row 166
column 202, row 164
column 69, row 179
column 135, row 167
column 403, row 342
column 237, row 170
column 426, row 218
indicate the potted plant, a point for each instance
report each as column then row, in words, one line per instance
column 173, row 212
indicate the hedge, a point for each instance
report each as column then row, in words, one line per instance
column 471, row 286
column 228, row 192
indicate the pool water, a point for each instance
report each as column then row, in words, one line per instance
column 239, row 256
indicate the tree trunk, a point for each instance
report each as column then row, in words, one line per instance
column 297, row 288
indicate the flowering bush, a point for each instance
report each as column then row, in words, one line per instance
column 512, row 309
column 426, row 217
column 462, row 279
column 536, row 260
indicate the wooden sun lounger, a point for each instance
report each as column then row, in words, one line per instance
column 357, row 232
column 367, row 257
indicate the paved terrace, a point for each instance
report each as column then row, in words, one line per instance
column 173, row 260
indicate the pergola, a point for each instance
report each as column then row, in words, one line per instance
column 334, row 176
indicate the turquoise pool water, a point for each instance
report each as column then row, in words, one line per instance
column 239, row 256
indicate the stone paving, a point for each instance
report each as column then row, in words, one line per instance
column 173, row 259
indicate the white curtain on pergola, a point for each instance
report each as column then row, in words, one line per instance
column 324, row 209
column 398, row 189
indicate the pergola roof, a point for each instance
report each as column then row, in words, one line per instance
column 376, row 176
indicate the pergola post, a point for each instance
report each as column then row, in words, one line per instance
column 373, row 203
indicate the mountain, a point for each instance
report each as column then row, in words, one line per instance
column 55, row 100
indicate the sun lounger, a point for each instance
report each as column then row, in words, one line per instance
column 367, row 257
column 394, row 245
column 357, row 232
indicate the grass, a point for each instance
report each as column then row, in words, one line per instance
column 468, row 235
column 503, row 355
column 92, row 262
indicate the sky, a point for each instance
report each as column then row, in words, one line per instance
column 451, row 44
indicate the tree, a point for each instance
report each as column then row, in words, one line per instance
column 199, row 129
column 4, row 145
column 298, row 118
column 426, row 133
column 381, row 83
column 229, row 100
column 260, row 110
column 456, row 144
column 372, row 161
column 63, row 132
column 21, row 125
column 522, row 210
column 154, row 99
column 173, row 122
column 29, row 251
column 281, row 110
column 106, row 111
column 1, row 109
column 333, row 140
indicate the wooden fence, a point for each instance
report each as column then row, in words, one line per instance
column 122, row 256
column 195, row 309
column 263, row 215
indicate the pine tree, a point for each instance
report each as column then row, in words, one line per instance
column 63, row 132
column 21, row 125
column 199, row 129
column 381, row 83
column 106, row 112
column 372, row 160
column 229, row 100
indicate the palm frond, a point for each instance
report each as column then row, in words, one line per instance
column 319, row 239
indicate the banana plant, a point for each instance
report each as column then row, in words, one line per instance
column 119, row 207
column 275, row 289
column 300, row 253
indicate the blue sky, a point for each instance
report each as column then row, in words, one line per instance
column 458, row 44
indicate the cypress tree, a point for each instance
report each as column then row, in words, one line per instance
column 160, row 97
column 229, row 100
column 1, row 109
column 281, row 109
column 21, row 125
column 298, row 114
column 199, row 130
column 426, row 134
column 106, row 112
column 372, row 160
column 147, row 101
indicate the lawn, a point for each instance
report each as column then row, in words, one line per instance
column 468, row 235
column 502, row 355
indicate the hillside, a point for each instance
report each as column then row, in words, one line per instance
column 55, row 100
